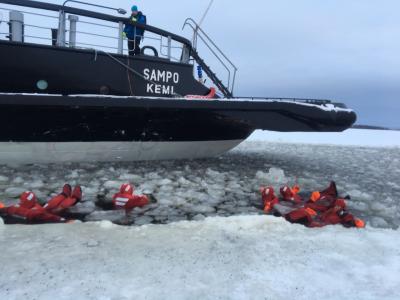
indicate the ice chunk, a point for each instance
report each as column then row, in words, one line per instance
column 18, row 180
column 184, row 182
column 14, row 192
column 378, row 207
column 41, row 195
column 274, row 176
column 112, row 185
column 143, row 220
column 37, row 184
column 379, row 222
column 1, row 222
column 165, row 182
column 3, row 178
column 106, row 224
column 153, row 175
column 359, row 195
column 132, row 178
column 358, row 205
column 203, row 209
column 89, row 192
column 177, row 218
column 73, row 175
column 199, row 217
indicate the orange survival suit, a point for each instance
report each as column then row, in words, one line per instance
column 66, row 199
column 125, row 199
column 29, row 209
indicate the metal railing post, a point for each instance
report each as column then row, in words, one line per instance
column 73, row 20
column 169, row 47
column 16, row 26
column 61, row 29
column 120, row 38
column 185, row 58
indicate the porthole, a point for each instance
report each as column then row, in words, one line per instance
column 42, row 85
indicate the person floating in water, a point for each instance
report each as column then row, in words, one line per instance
column 134, row 33
column 29, row 210
column 322, row 208
column 66, row 199
column 127, row 200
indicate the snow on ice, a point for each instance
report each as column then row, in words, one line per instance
column 244, row 257
column 354, row 137
column 228, row 249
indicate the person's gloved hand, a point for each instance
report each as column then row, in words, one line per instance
column 124, row 35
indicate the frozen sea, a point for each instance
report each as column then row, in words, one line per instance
column 217, row 244
column 364, row 163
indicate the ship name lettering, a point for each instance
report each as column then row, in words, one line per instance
column 161, row 76
column 160, row 89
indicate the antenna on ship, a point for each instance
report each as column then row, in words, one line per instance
column 206, row 12
column 201, row 22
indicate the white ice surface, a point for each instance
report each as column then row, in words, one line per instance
column 351, row 137
column 247, row 257
column 241, row 257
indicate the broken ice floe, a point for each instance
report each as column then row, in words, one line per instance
column 224, row 186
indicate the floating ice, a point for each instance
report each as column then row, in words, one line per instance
column 113, row 185
column 37, row 184
column 359, row 195
column 274, row 176
column 228, row 185
column 379, row 222
column 198, row 217
column 18, row 180
column 14, row 192
column 132, row 178
column 143, row 220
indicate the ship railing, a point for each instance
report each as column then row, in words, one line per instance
column 88, row 30
column 200, row 35
column 303, row 100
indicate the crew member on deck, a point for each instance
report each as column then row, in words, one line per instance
column 133, row 33
column 125, row 199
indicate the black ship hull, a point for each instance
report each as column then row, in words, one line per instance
column 42, row 128
column 61, row 103
column 81, row 71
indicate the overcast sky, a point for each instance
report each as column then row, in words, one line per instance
column 345, row 50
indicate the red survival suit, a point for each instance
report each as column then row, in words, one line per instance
column 324, row 208
column 291, row 194
column 30, row 210
column 125, row 199
column 269, row 198
column 65, row 200
column 322, row 201
column 339, row 215
column 319, row 202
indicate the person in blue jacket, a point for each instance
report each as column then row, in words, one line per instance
column 133, row 33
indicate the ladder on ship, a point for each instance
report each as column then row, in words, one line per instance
column 226, row 87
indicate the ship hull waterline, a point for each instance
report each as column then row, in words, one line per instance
column 54, row 128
